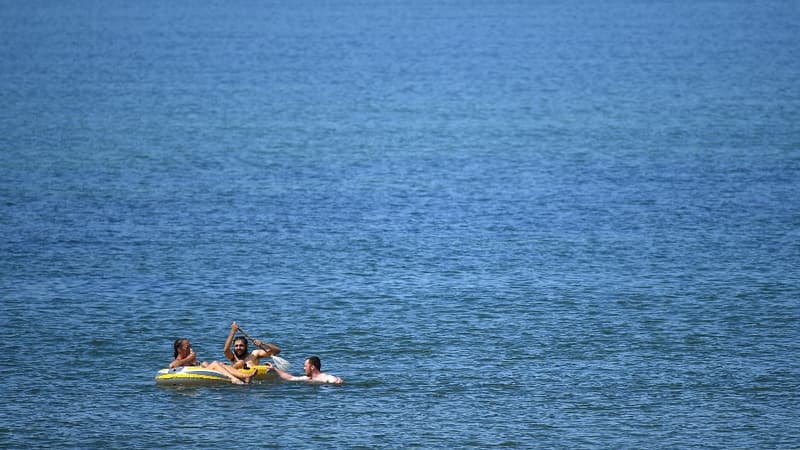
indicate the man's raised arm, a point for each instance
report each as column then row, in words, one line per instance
column 228, row 352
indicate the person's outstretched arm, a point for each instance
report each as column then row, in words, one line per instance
column 287, row 376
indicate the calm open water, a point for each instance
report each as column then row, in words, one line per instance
column 525, row 224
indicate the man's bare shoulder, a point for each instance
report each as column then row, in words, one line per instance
column 328, row 378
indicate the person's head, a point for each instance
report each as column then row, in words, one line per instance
column 240, row 347
column 182, row 346
column 311, row 364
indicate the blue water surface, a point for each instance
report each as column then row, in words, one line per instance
column 506, row 224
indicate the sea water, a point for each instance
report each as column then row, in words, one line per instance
column 522, row 224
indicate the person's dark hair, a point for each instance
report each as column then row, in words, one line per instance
column 177, row 345
column 241, row 338
column 314, row 361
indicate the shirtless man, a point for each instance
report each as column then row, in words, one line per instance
column 312, row 367
column 239, row 357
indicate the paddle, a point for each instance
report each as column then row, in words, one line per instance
column 279, row 362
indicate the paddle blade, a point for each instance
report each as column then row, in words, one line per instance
column 280, row 363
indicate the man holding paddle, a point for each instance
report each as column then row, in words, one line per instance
column 239, row 357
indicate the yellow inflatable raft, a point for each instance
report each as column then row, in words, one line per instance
column 198, row 375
